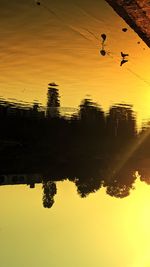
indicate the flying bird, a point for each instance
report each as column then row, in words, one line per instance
column 124, row 55
column 123, row 61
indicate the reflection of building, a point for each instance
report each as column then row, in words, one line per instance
column 17, row 110
column 53, row 103
column 14, row 179
column 36, row 111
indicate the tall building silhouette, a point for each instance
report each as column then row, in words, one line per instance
column 53, row 102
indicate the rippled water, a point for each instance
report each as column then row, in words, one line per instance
column 38, row 47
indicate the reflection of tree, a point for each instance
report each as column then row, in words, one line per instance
column 142, row 154
column 49, row 191
column 121, row 122
column 91, row 128
column 91, row 113
column 92, row 119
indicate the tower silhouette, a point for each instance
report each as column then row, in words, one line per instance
column 53, row 102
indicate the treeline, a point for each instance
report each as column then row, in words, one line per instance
column 88, row 133
column 92, row 149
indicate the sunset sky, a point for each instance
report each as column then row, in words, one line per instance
column 55, row 41
column 95, row 231
column 59, row 41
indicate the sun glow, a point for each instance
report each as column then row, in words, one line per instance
column 139, row 214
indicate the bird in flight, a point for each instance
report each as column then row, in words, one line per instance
column 124, row 55
column 123, row 59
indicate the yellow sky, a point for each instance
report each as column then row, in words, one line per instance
column 96, row 231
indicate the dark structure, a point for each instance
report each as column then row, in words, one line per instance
column 93, row 149
column 136, row 13
column 53, row 102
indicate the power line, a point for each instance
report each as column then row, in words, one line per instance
column 86, row 38
column 61, row 20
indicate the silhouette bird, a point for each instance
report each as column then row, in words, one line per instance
column 123, row 61
column 124, row 55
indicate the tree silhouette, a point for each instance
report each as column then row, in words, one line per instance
column 91, row 113
column 121, row 122
column 49, row 191
column 87, row 185
column 91, row 127
column 119, row 183
column 91, row 148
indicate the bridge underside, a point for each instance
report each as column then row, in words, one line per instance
column 136, row 13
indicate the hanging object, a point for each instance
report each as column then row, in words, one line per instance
column 103, row 52
column 103, row 35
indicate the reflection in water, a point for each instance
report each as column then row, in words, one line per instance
column 90, row 148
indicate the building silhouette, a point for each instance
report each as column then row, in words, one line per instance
column 53, row 102
column 21, row 179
